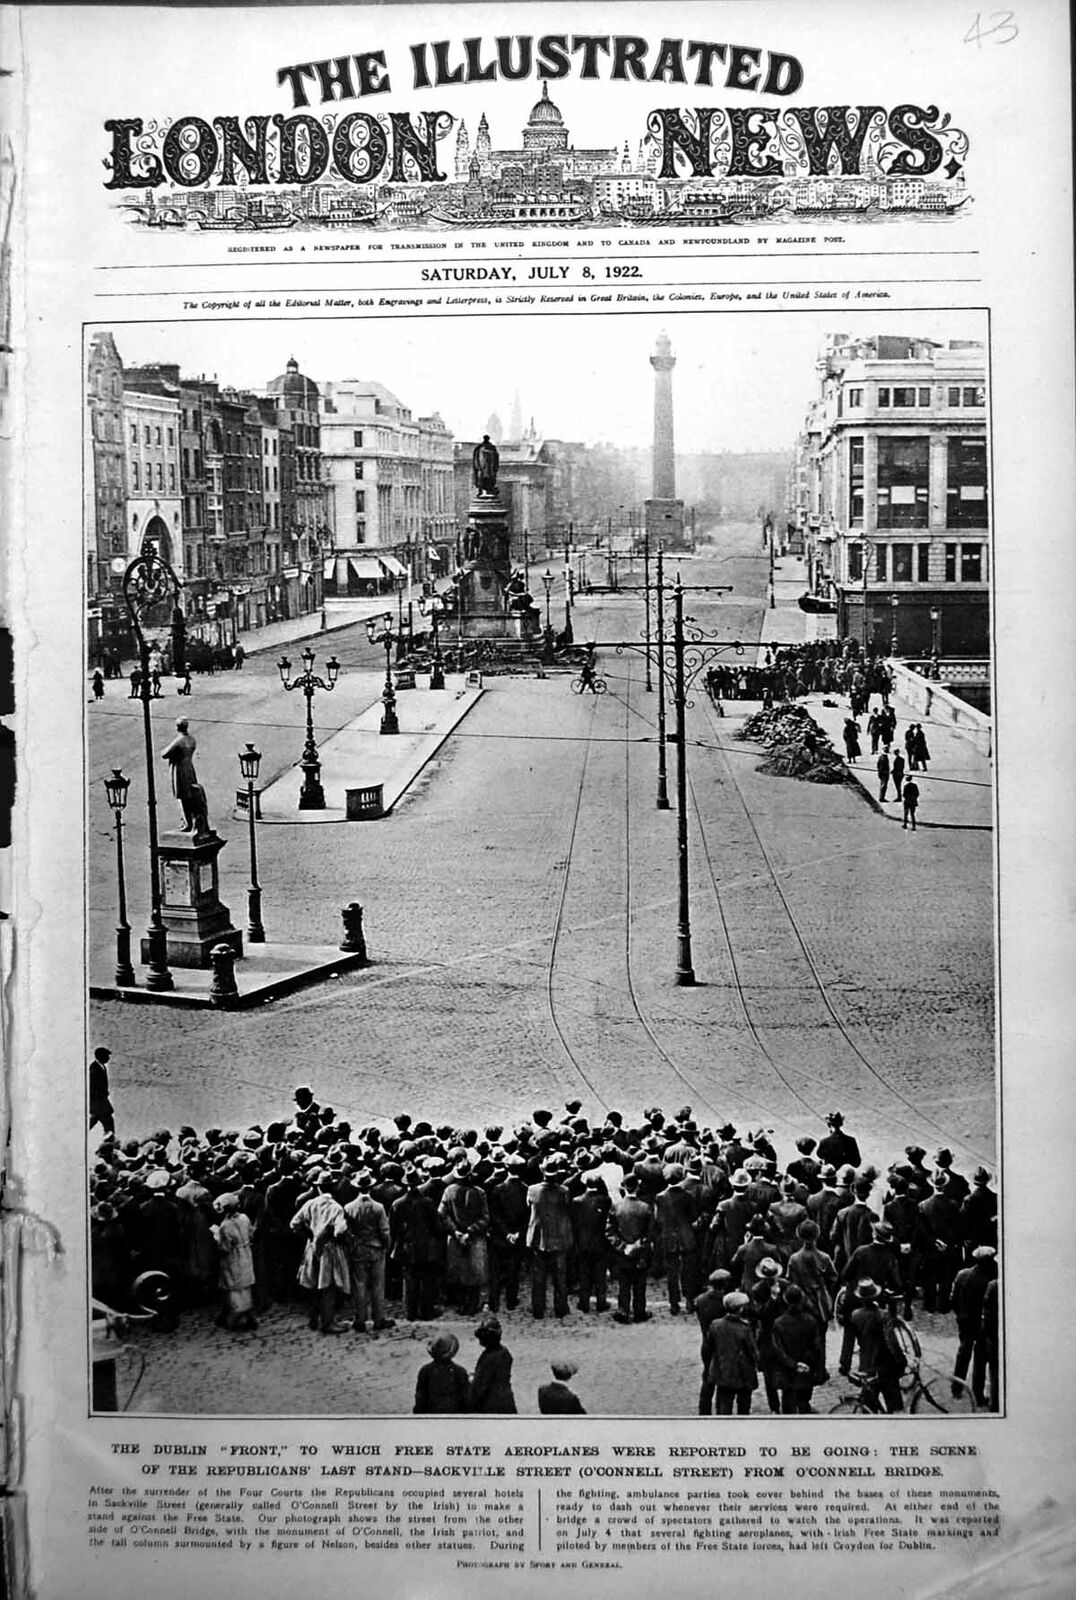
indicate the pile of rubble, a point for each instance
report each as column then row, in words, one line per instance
column 798, row 747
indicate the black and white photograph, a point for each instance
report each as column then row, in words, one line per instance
column 540, row 863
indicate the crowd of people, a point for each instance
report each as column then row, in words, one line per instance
column 786, row 672
column 376, row 1226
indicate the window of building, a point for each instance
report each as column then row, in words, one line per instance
column 360, row 530
column 171, row 438
column 902, row 563
column 855, row 563
column 966, row 500
column 905, row 396
column 357, row 438
column 134, row 432
column 360, row 500
column 147, row 433
column 975, row 395
column 160, row 475
column 135, row 476
column 971, row 563
column 855, row 399
column 922, row 563
column 855, row 481
column 881, row 558
column 359, row 469
column 172, row 477
column 157, row 432
column 903, row 483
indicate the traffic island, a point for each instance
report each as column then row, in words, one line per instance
column 264, row 973
column 374, row 770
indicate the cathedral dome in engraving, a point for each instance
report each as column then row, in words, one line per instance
column 544, row 111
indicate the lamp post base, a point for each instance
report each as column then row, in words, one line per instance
column 158, row 977
column 255, row 931
column 437, row 676
column 389, row 720
column 311, row 795
column 125, row 973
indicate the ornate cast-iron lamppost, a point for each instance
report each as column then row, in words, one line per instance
column 935, row 643
column 311, row 795
column 663, row 788
column 116, row 789
column 547, row 641
column 431, row 606
column 249, row 762
column 895, row 603
column 150, row 586
column 389, row 720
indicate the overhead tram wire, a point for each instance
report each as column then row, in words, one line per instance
column 879, row 1077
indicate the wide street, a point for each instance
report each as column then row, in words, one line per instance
column 521, row 914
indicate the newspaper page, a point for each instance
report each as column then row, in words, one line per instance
column 541, row 579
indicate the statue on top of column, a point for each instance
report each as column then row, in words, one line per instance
column 484, row 463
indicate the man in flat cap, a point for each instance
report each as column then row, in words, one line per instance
column 838, row 1149
column 556, row 1398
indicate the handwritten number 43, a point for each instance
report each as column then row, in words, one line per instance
column 1000, row 28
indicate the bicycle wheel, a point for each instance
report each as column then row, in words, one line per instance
column 576, row 686
column 936, row 1395
column 850, row 1406
column 600, row 686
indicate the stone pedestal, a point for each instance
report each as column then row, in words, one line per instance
column 665, row 523
column 484, row 611
column 194, row 916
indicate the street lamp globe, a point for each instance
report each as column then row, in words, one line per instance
column 307, row 659
column 249, row 762
column 284, row 668
column 116, row 788
column 332, row 667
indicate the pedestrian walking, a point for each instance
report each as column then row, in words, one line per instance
column 98, row 685
column 442, row 1385
column 136, row 683
column 233, row 1236
column 910, row 748
column 239, row 655
column 896, row 772
column 491, row 1384
column 556, row 1399
column 100, row 1095
column 185, row 682
column 922, row 753
column 883, row 775
column 910, row 798
column 851, row 738
column 874, row 729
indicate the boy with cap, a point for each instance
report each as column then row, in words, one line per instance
column 732, row 1358
column 556, row 1399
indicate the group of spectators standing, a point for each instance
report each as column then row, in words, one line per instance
column 422, row 1218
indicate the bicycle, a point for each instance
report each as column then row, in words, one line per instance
column 578, row 685
column 919, row 1393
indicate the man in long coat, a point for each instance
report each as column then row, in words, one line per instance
column 324, row 1267
column 549, row 1238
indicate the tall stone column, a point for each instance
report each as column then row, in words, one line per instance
column 664, row 512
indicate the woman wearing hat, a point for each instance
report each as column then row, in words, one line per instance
column 233, row 1234
column 556, row 1399
column 442, row 1386
column 491, row 1386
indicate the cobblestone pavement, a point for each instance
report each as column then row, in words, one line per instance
column 521, row 908
column 649, row 1370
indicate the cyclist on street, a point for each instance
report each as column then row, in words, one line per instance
column 587, row 670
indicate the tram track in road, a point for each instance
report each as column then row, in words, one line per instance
column 817, row 982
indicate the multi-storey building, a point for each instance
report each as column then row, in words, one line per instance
column 389, row 478
column 105, row 517
column 151, row 426
column 306, row 535
column 897, row 496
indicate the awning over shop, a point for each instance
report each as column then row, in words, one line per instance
column 366, row 568
column 328, row 569
column 393, row 567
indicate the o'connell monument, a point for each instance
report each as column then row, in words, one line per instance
column 493, row 599
column 664, row 512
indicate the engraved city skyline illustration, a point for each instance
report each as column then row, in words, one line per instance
column 545, row 180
